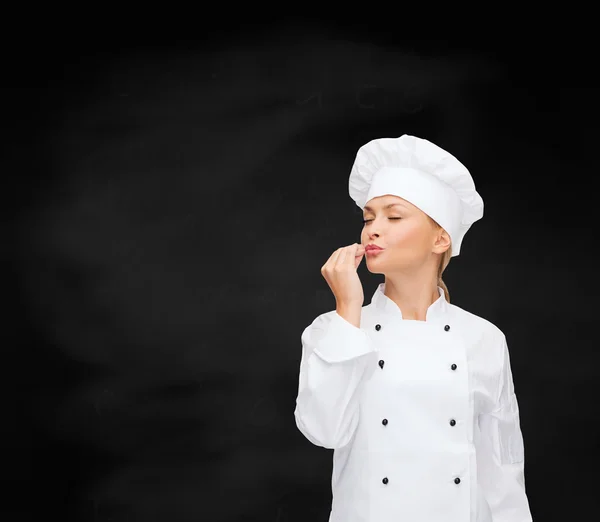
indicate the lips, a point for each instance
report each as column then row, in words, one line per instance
column 372, row 247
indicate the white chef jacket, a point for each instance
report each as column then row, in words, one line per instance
column 422, row 415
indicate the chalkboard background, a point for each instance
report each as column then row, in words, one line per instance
column 167, row 209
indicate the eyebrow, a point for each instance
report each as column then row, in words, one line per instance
column 387, row 206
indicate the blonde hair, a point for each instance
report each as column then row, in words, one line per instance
column 445, row 259
column 446, row 256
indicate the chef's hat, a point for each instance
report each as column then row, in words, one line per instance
column 423, row 174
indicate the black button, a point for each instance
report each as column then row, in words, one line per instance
column 453, row 366
column 385, row 480
column 384, row 422
column 381, row 363
column 452, row 422
column 377, row 327
column 447, row 327
column 457, row 480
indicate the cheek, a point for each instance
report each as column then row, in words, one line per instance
column 409, row 233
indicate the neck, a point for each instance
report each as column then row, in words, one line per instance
column 413, row 294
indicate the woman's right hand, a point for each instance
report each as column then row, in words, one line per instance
column 340, row 272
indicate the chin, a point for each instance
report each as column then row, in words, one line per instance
column 375, row 268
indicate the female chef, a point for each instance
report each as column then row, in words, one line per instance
column 415, row 395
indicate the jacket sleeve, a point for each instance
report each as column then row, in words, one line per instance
column 335, row 356
column 502, row 470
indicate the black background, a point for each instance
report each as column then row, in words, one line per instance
column 168, row 207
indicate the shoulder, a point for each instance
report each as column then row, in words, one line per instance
column 327, row 322
column 331, row 318
column 485, row 337
column 477, row 324
column 322, row 320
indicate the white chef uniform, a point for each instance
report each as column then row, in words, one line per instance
column 422, row 415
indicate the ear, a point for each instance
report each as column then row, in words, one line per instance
column 442, row 242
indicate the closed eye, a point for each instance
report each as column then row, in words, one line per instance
column 365, row 221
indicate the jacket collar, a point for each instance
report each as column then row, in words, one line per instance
column 437, row 311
